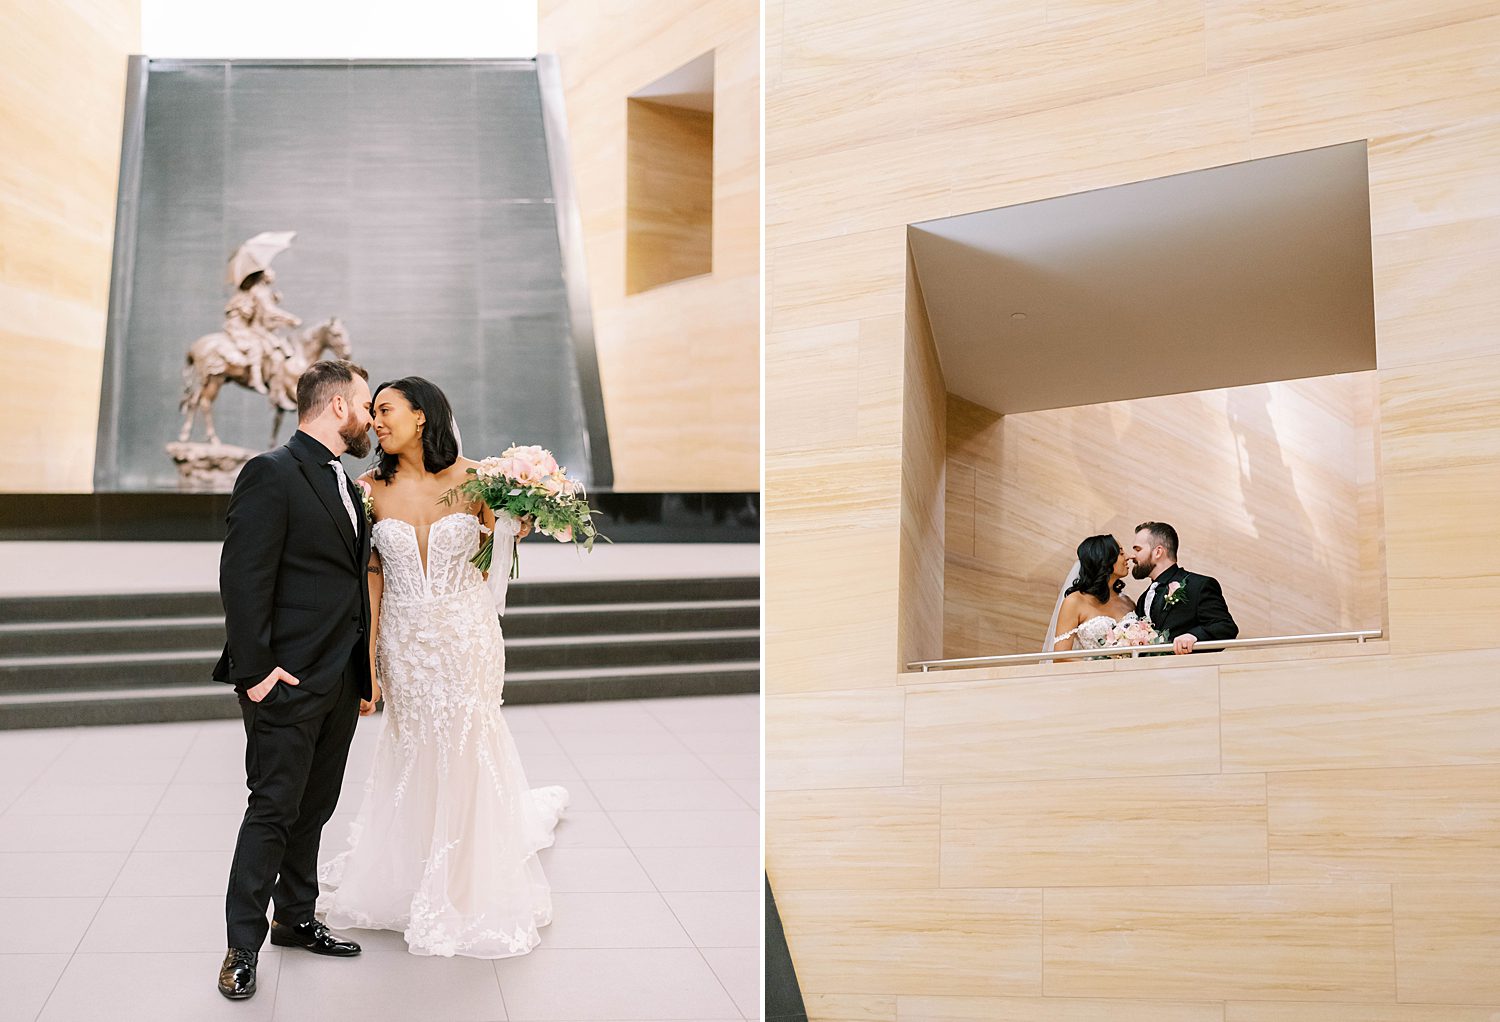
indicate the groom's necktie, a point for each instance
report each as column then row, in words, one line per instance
column 338, row 470
column 1150, row 596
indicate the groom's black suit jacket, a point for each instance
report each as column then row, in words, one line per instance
column 1201, row 612
column 292, row 577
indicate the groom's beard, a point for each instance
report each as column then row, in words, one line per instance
column 356, row 439
column 1142, row 570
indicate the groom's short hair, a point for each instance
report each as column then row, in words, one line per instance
column 320, row 381
column 1164, row 535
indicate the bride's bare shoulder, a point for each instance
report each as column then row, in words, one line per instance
column 456, row 473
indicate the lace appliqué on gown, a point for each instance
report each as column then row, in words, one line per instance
column 444, row 845
column 1093, row 633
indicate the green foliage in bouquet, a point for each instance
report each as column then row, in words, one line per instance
column 527, row 482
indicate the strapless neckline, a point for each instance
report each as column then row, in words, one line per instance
column 422, row 548
column 442, row 569
column 1091, row 633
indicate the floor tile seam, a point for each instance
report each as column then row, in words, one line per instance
column 634, row 857
column 699, row 756
column 95, row 917
column 673, row 909
column 44, row 768
column 720, row 980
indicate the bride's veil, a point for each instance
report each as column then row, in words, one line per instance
column 1062, row 592
column 505, row 544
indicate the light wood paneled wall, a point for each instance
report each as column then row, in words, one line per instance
column 1301, row 836
column 1041, row 840
column 679, row 364
column 62, row 97
column 1271, row 488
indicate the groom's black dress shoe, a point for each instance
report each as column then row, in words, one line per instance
column 314, row 936
column 237, row 974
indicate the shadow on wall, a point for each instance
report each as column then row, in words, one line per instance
column 1285, row 529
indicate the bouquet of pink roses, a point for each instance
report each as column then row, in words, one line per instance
column 527, row 482
column 1135, row 632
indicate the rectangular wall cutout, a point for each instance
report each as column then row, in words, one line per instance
column 1197, row 349
column 670, row 178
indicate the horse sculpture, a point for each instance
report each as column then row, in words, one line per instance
column 214, row 359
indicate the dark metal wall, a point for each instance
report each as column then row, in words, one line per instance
column 426, row 206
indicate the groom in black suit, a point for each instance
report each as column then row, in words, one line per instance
column 1189, row 607
column 297, row 615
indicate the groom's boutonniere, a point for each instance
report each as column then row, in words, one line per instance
column 368, row 499
column 1176, row 593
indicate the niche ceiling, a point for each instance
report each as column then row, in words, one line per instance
column 1244, row 274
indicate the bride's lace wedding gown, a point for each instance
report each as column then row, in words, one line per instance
column 1093, row 633
column 444, row 845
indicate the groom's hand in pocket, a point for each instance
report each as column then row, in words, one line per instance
column 263, row 689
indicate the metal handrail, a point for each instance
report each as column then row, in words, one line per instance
column 1135, row 651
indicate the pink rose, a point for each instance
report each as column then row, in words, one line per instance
column 529, row 465
column 364, row 485
column 565, row 534
column 490, row 469
column 516, row 469
column 538, row 458
column 555, row 486
column 531, row 470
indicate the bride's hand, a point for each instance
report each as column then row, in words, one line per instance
column 367, row 706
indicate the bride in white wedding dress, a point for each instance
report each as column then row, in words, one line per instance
column 1092, row 603
column 444, row 846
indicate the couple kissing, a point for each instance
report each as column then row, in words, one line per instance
column 1179, row 606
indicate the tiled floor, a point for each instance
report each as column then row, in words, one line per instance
column 115, row 847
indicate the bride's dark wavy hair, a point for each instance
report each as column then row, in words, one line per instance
column 439, row 445
column 1096, row 559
